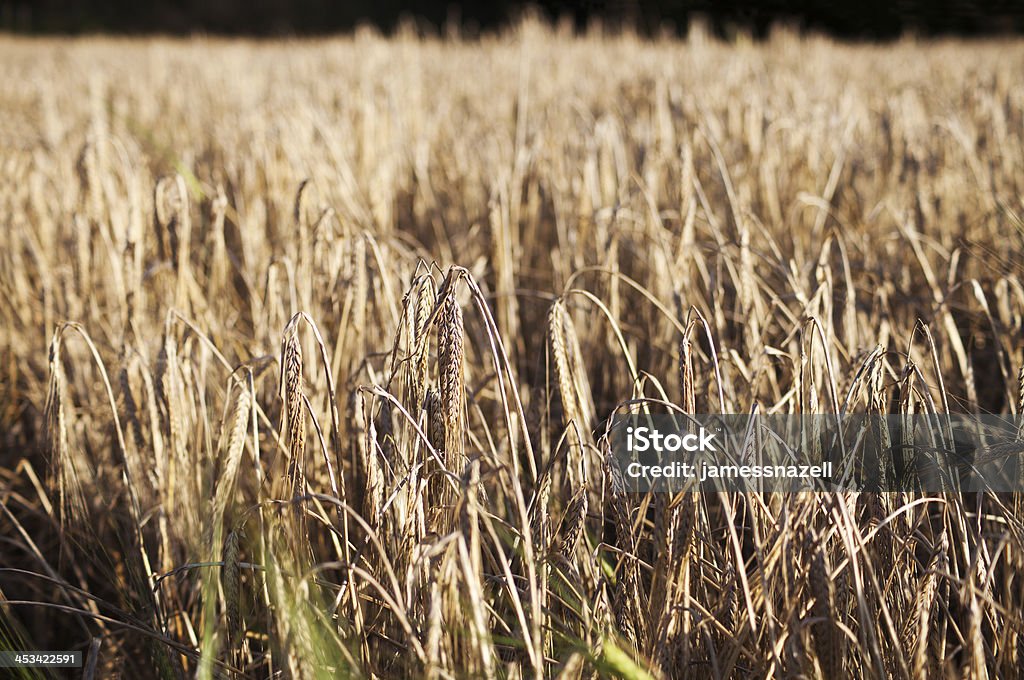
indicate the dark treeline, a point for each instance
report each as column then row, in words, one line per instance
column 859, row 19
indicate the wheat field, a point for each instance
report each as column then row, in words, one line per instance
column 307, row 349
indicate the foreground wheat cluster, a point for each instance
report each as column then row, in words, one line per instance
column 307, row 349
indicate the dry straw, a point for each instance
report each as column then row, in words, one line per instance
column 785, row 200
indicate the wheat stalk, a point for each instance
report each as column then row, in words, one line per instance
column 295, row 421
column 823, row 609
column 451, row 359
column 231, row 583
column 419, row 338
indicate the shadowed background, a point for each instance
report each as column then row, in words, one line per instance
column 878, row 19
